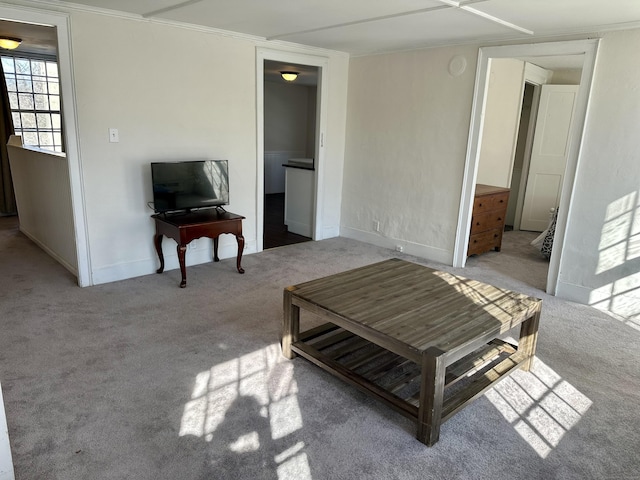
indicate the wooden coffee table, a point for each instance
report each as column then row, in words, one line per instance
column 424, row 342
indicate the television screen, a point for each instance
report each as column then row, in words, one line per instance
column 189, row 185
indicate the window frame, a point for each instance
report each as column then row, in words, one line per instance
column 43, row 126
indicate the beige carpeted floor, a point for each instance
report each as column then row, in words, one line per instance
column 140, row 379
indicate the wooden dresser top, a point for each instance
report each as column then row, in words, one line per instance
column 489, row 189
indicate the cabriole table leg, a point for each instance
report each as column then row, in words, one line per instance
column 183, row 269
column 157, row 241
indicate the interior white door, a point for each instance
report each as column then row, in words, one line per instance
column 548, row 155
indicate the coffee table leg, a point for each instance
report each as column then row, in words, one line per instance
column 290, row 324
column 431, row 396
column 529, row 339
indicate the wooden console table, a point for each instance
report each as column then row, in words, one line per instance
column 185, row 227
column 424, row 342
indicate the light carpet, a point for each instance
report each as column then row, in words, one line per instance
column 140, row 379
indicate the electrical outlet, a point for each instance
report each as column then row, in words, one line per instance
column 192, row 245
column 114, row 135
column 376, row 226
column 399, row 248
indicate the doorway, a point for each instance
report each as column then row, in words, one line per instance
column 67, row 91
column 313, row 188
column 588, row 48
column 290, row 106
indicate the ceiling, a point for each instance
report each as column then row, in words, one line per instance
column 370, row 26
column 361, row 27
column 36, row 39
column 307, row 75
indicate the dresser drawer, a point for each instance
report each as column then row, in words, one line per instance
column 487, row 221
column 483, row 242
column 486, row 203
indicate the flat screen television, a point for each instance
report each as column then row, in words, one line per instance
column 189, row 185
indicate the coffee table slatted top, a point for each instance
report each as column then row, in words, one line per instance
column 416, row 307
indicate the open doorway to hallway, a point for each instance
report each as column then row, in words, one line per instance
column 539, row 163
column 290, row 112
column 586, row 51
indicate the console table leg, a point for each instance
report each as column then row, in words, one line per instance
column 290, row 324
column 240, row 240
column 431, row 396
column 215, row 250
column 157, row 240
column 183, row 269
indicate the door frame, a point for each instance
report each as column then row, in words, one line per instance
column 588, row 48
column 536, row 77
column 69, row 118
column 528, row 147
column 322, row 63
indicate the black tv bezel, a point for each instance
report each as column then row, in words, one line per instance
column 194, row 208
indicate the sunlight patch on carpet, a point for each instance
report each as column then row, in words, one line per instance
column 541, row 406
column 246, row 403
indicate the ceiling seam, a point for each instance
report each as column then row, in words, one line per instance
column 497, row 20
column 177, row 6
column 447, row 4
column 362, row 21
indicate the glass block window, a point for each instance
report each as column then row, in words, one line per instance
column 34, row 97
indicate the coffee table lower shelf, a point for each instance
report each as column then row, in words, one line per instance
column 396, row 380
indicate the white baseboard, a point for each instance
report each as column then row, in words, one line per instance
column 616, row 298
column 330, row 232
column 6, row 464
column 574, row 293
column 50, row 252
column 300, row 228
column 203, row 253
column 411, row 248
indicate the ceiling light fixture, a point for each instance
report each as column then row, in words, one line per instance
column 10, row 43
column 289, row 76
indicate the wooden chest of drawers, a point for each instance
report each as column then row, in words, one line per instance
column 487, row 221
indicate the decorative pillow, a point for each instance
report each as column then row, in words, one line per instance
column 547, row 243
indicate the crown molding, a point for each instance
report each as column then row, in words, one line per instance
column 61, row 6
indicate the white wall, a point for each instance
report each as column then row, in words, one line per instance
column 406, row 146
column 43, row 197
column 406, row 143
column 501, row 122
column 285, row 117
column 168, row 91
column 566, row 76
column 289, row 126
column 601, row 262
column 6, row 463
